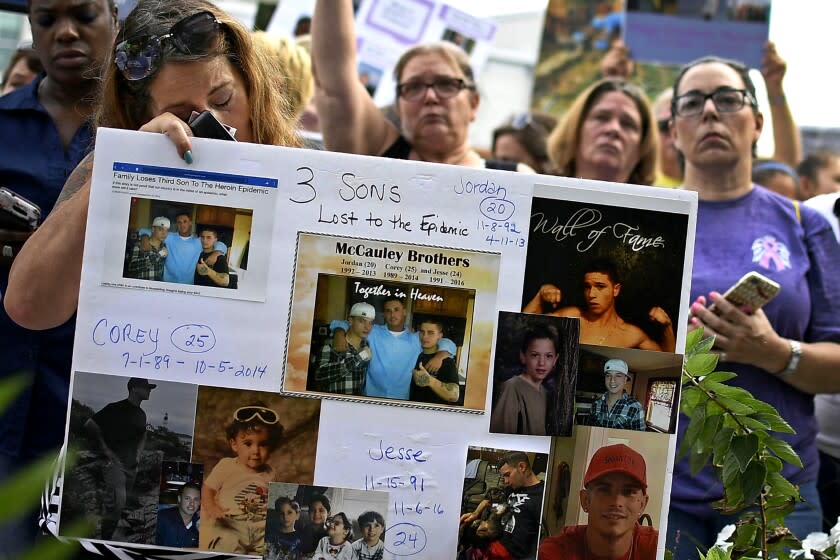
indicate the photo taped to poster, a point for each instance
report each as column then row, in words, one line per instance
column 616, row 268
column 352, row 295
column 190, row 232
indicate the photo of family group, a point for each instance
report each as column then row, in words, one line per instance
column 188, row 248
column 627, row 389
column 391, row 323
column 597, row 462
column 616, row 269
column 180, row 465
column 390, row 340
column 501, row 503
column 325, row 522
column 535, row 375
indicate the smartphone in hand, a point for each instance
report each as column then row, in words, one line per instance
column 751, row 292
column 205, row 125
column 17, row 213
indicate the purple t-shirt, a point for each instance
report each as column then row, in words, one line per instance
column 760, row 232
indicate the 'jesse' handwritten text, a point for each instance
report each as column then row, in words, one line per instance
column 396, row 453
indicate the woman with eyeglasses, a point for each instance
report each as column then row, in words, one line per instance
column 436, row 97
column 784, row 352
column 608, row 134
column 522, row 139
column 172, row 57
column 44, row 133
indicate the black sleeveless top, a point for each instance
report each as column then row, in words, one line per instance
column 400, row 149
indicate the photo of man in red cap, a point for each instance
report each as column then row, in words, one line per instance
column 614, row 495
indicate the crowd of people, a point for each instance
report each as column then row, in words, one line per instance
column 170, row 58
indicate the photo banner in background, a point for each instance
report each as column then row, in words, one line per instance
column 679, row 32
column 576, row 36
column 386, row 28
column 306, row 235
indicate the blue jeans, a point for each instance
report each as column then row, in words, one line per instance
column 687, row 532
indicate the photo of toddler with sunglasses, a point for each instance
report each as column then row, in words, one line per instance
column 235, row 494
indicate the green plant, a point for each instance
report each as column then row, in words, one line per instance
column 731, row 429
column 21, row 493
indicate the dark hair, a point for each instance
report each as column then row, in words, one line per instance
column 434, row 321
column 605, row 266
column 765, row 169
column 539, row 331
column 183, row 213
column 810, row 166
column 111, row 6
column 32, row 62
column 191, row 484
column 740, row 68
column 320, row 498
column 370, row 517
column 347, row 524
column 513, row 458
column 275, row 431
column 125, row 104
column 393, row 298
column 286, row 500
column 209, row 228
column 532, row 135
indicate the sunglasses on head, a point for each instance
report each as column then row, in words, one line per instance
column 248, row 413
column 140, row 57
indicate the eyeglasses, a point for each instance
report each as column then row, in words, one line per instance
column 248, row 413
column 444, row 88
column 662, row 124
column 139, row 57
column 725, row 99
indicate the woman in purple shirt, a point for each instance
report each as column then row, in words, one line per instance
column 785, row 352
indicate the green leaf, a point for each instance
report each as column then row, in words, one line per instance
column 695, row 425
column 744, row 448
column 753, row 481
column 752, row 423
column 22, row 491
column 721, row 389
column 733, row 495
column 780, row 487
column 721, row 444
column 774, row 464
column 704, row 346
column 691, row 397
column 55, row 549
column 697, row 460
column 710, row 430
column 11, row 387
column 692, row 339
column 784, row 451
column 775, row 422
column 745, row 536
column 701, row 364
column 720, row 376
column 735, row 407
column 731, row 469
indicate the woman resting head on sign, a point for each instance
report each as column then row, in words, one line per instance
column 171, row 57
column 787, row 350
column 436, row 97
column 608, row 134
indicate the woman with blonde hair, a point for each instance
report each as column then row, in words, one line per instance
column 171, row 58
column 608, row 134
column 293, row 69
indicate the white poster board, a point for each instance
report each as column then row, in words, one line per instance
column 268, row 203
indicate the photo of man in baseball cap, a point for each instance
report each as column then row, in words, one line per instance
column 616, row 408
column 345, row 372
column 614, row 496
